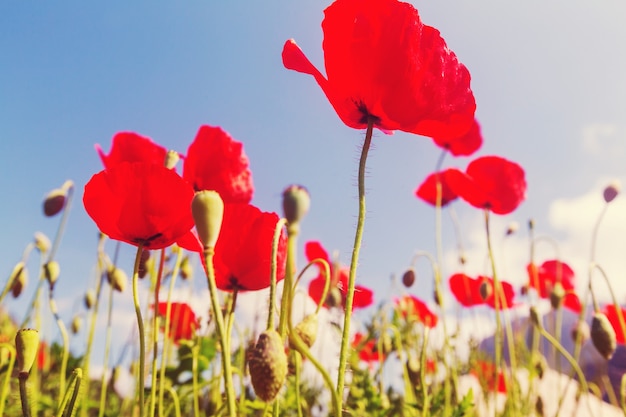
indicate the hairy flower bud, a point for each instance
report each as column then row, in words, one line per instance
column 307, row 329
column 90, row 299
column 42, row 243
column 18, row 279
column 77, row 324
column 296, row 203
column 603, row 335
column 55, row 201
column 268, row 365
column 408, row 278
column 117, row 279
column 611, row 191
column 207, row 209
column 26, row 347
column 52, row 270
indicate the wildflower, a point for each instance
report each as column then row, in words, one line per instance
column 543, row 278
column 468, row 292
column 183, row 322
column 491, row 183
column 131, row 147
column 611, row 313
column 367, row 348
column 363, row 296
column 427, row 191
column 412, row 308
column 140, row 203
column 383, row 63
column 486, row 374
column 216, row 162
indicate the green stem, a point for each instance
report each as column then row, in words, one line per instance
column 107, row 349
column 345, row 339
column 66, row 343
column 155, row 339
column 194, row 378
column 68, row 408
column 288, row 273
column 9, row 371
column 221, row 332
column 23, row 376
column 142, row 336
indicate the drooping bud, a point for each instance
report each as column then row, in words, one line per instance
column 437, row 297
column 268, row 365
column 54, row 202
column 334, row 298
column 207, row 209
column 611, row 191
column 307, row 329
column 408, row 278
column 556, row 295
column 413, row 370
column 603, row 335
column 18, row 279
column 90, row 299
column 77, row 323
column 117, row 279
column 535, row 318
column 512, row 228
column 185, row 268
column 540, row 364
column 26, row 346
column 581, row 331
column 42, row 243
column 296, row 204
column 171, row 159
column 52, row 270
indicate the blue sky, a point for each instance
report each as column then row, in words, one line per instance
column 548, row 79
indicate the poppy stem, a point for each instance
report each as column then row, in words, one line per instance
column 142, row 337
column 345, row 339
column 221, row 331
column 288, row 277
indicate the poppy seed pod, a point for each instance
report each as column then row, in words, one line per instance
column 207, row 209
column 603, row 335
column 117, row 279
column 51, row 272
column 267, row 362
column 18, row 279
column 611, row 191
column 296, row 203
column 26, row 347
column 408, row 278
column 171, row 159
column 42, row 243
column 307, row 329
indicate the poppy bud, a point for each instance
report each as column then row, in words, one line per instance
column 117, row 279
column 334, row 298
column 42, row 243
column 531, row 224
column 90, row 299
column 387, row 344
column 535, row 318
column 556, row 295
column 540, row 364
column 581, row 331
column 408, row 278
column 18, row 279
column 307, row 329
column 171, row 159
column 603, row 335
column 485, row 290
column 413, row 370
column 51, row 272
column 54, row 202
column 207, row 209
column 512, row 228
column 26, row 347
column 462, row 259
column 268, row 365
column 185, row 268
column 296, row 203
column 77, row 323
column 611, row 191
column 437, row 297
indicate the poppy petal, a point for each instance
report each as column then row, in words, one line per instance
column 427, row 191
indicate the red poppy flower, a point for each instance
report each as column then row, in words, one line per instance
column 183, row 322
column 467, row 291
column 486, row 374
column 363, row 296
column 543, row 278
column 131, row 147
column 243, row 253
column 140, row 203
column 382, row 62
column 428, row 190
column 368, row 350
column 491, row 183
column 463, row 145
column 610, row 311
column 216, row 162
column 413, row 308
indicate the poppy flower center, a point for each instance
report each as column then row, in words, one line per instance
column 366, row 115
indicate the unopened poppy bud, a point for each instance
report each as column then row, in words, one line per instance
column 207, row 209
column 540, row 364
column 307, row 329
column 77, row 323
column 611, row 191
column 54, row 202
column 408, row 278
column 512, row 228
column 90, row 299
column 531, row 224
column 268, row 365
column 535, row 318
column 117, row 279
column 42, row 243
column 171, row 159
column 413, row 370
column 52, row 270
column 556, row 295
column 18, row 279
column 387, row 344
column 26, row 347
column 296, row 203
column 603, row 335
column 334, row 298
column 185, row 268
column 581, row 332
column 485, row 290
column 462, row 259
